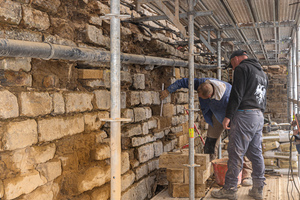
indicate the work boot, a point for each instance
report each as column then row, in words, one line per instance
column 247, row 182
column 256, row 193
column 224, row 194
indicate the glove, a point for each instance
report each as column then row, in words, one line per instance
column 164, row 94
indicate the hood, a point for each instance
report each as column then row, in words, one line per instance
column 253, row 62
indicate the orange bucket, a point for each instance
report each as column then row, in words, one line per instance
column 220, row 169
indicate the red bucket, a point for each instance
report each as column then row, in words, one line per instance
column 220, row 169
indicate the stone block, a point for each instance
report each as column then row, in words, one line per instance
column 159, row 134
column 138, row 141
column 93, row 177
column 123, row 100
column 90, row 74
column 155, row 98
column 95, row 36
column 127, row 180
column 152, row 123
column 158, row 148
column 8, row 105
column 180, row 190
column 24, row 184
column 12, row 78
column 177, row 73
column 20, row 134
column 102, row 98
column 50, row 170
column 145, row 153
column 1, row 189
column 102, row 193
column 10, row 12
column 127, row 113
column 41, row 22
column 43, row 192
column 139, row 114
column 101, row 152
column 93, row 121
column 163, row 122
column 16, row 64
column 55, row 128
column 133, row 98
column 78, row 102
column 136, row 192
column 126, row 78
column 200, row 175
column 41, row 154
column 177, row 159
column 146, row 98
column 131, row 130
column 145, row 128
column 153, row 165
column 35, row 103
column 49, row 6
column 141, row 171
column 58, row 103
column 139, row 81
column 125, row 163
column 180, row 98
column 175, row 175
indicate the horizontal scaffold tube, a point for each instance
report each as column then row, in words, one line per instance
column 20, row 48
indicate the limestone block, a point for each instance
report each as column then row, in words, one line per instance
column 93, row 177
column 78, row 102
column 48, row 5
column 58, row 103
column 138, row 141
column 133, row 98
column 176, row 129
column 153, row 165
column 183, row 140
column 16, row 64
column 19, row 134
column 176, row 120
column 125, row 163
column 180, row 98
column 158, row 148
column 177, row 73
column 31, row 20
column 10, row 12
column 95, row 20
column 175, row 175
column 35, row 103
column 102, row 193
column 163, row 122
column 43, row 192
column 145, row 128
column 1, row 189
column 127, row 113
column 159, row 135
column 136, row 192
column 106, row 77
column 51, row 169
column 131, row 130
column 177, row 159
column 169, row 146
column 90, row 74
column 101, row 152
column 140, row 114
column 141, row 171
column 24, row 184
column 127, row 180
column 200, row 175
column 8, row 105
column 145, row 153
column 152, row 123
column 126, row 78
column 181, row 190
column 155, row 98
column 139, row 81
column 146, row 98
column 102, row 99
column 54, row 128
column 148, row 112
column 41, row 154
column 95, row 35
column 12, row 78
column 93, row 121
column 123, row 99
column 151, row 183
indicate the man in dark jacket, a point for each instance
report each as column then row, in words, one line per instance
column 244, row 112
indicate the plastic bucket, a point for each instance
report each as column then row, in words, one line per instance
column 220, row 169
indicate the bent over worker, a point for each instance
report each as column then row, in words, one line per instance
column 244, row 112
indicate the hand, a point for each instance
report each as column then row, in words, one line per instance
column 225, row 123
column 164, row 94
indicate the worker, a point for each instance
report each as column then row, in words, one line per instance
column 213, row 97
column 244, row 119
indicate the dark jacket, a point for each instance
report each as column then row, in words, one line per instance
column 249, row 88
column 208, row 106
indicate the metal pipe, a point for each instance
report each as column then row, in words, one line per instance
column 115, row 97
column 191, row 103
column 289, row 89
column 293, row 75
column 20, row 48
column 298, row 68
column 219, row 75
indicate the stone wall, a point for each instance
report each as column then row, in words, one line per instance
column 277, row 94
column 53, row 144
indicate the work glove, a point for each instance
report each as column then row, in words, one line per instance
column 164, row 94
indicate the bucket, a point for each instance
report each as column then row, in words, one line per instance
column 220, row 169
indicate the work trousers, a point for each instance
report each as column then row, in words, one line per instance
column 245, row 137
